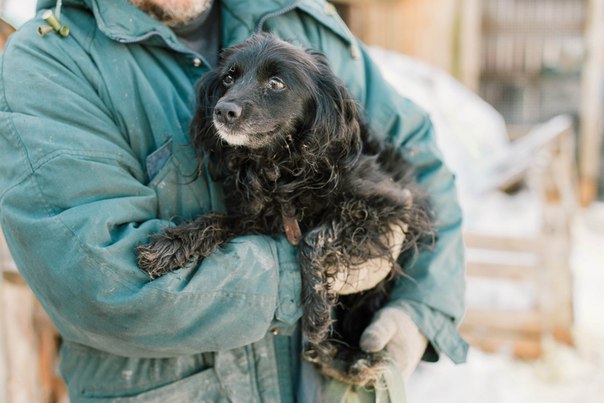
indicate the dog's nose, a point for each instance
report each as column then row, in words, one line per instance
column 227, row 112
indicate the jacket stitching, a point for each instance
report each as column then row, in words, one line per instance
column 10, row 112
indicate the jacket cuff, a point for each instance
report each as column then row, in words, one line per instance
column 289, row 304
column 440, row 330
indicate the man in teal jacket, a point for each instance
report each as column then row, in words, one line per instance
column 95, row 157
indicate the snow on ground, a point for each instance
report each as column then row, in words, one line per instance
column 564, row 374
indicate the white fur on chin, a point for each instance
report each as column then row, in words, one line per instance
column 235, row 139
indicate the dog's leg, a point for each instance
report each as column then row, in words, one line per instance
column 355, row 235
column 336, row 355
column 318, row 298
column 176, row 245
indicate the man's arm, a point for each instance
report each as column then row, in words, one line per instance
column 74, row 203
column 433, row 294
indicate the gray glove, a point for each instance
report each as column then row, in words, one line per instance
column 394, row 330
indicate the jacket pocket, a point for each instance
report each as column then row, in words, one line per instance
column 182, row 192
column 94, row 375
column 201, row 387
column 158, row 159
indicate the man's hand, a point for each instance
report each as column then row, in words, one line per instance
column 391, row 328
column 394, row 330
column 368, row 274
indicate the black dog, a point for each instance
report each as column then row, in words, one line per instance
column 288, row 142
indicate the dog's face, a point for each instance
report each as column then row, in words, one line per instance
column 266, row 89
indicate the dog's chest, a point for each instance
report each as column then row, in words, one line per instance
column 266, row 192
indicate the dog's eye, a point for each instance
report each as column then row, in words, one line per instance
column 276, row 84
column 228, row 80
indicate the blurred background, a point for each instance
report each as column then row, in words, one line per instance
column 514, row 88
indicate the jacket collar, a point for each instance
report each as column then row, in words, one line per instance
column 123, row 22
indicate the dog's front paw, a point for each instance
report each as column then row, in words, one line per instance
column 160, row 256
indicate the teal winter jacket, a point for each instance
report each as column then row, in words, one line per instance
column 95, row 157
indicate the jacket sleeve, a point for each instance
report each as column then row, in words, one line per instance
column 73, row 206
column 433, row 293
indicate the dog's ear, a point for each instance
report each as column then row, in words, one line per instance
column 203, row 133
column 337, row 115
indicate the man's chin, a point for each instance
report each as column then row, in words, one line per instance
column 173, row 12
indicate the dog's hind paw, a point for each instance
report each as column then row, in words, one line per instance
column 346, row 365
column 365, row 370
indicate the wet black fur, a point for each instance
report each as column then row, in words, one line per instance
column 308, row 156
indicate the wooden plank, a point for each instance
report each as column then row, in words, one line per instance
column 28, row 342
column 556, row 291
column 402, row 26
column 3, row 349
column 362, row 1
column 564, row 334
column 53, row 388
column 517, row 244
column 520, row 332
column 525, row 322
column 21, row 344
column 591, row 103
column 6, row 262
column 502, row 257
column 501, row 271
column 469, row 46
column 523, row 348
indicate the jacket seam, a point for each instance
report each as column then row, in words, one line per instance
column 104, row 267
column 283, row 10
column 166, row 293
column 253, row 377
column 16, row 136
column 89, row 35
column 10, row 112
column 35, row 167
column 80, row 153
column 101, row 83
column 235, row 16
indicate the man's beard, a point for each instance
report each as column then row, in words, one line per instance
column 173, row 12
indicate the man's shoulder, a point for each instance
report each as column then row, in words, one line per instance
column 35, row 36
column 27, row 51
column 30, row 60
column 260, row 9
